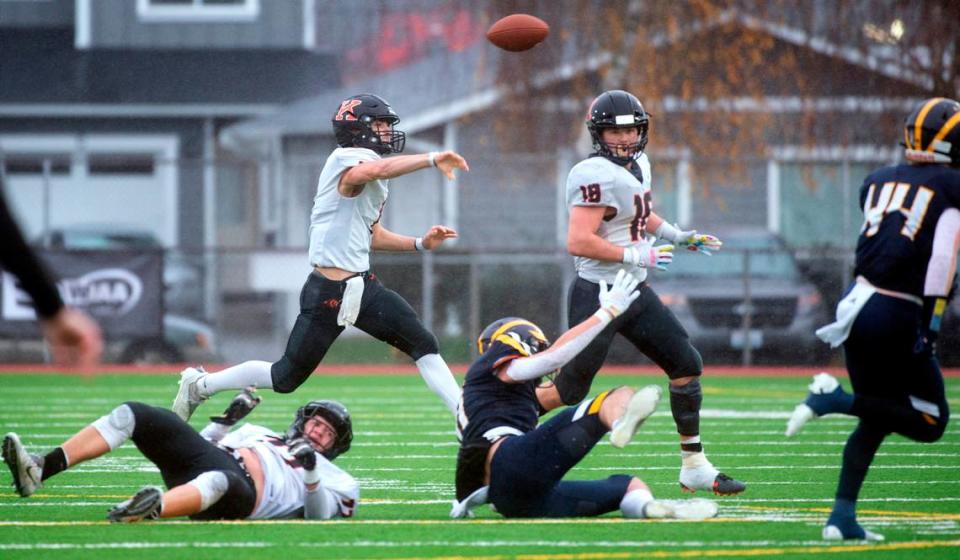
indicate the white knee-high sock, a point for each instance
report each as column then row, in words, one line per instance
column 440, row 380
column 240, row 376
column 633, row 503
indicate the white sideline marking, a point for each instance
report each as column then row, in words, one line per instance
column 419, row 544
column 369, row 502
column 133, row 545
column 641, row 468
column 149, row 468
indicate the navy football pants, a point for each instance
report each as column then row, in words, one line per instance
column 527, row 471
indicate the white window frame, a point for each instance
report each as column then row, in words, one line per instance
column 165, row 147
column 197, row 11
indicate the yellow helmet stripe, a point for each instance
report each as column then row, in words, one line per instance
column 534, row 331
column 945, row 129
column 918, row 124
column 510, row 324
column 503, row 328
column 512, row 343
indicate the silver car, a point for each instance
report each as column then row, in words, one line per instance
column 747, row 303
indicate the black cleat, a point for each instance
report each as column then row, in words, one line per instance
column 145, row 504
column 726, row 486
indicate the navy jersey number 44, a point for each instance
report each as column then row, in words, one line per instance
column 902, row 205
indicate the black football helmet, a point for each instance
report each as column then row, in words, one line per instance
column 515, row 332
column 332, row 412
column 931, row 133
column 617, row 109
column 352, row 124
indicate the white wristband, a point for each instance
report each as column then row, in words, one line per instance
column 433, row 159
column 418, row 244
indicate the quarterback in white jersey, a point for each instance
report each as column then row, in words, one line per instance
column 613, row 227
column 250, row 473
column 341, row 228
column 344, row 228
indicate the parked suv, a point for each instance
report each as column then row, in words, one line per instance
column 772, row 309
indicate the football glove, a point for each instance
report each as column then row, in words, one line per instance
column 690, row 239
column 933, row 308
column 303, row 452
column 699, row 242
column 649, row 257
column 241, row 405
column 621, row 294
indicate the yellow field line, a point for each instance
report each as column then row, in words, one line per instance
column 716, row 553
column 877, row 512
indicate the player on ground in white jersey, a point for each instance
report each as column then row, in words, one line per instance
column 344, row 228
column 613, row 227
column 249, row 473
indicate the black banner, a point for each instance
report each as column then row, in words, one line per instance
column 122, row 290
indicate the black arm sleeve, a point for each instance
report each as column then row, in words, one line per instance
column 18, row 258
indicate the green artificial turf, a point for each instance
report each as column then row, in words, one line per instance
column 403, row 456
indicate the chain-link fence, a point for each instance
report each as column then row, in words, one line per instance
column 235, row 235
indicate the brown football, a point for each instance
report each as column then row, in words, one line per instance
column 518, row 32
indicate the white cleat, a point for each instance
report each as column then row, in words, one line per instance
column 27, row 472
column 799, row 418
column 693, row 509
column 188, row 397
column 706, row 477
column 833, row 533
column 640, row 406
column 823, row 383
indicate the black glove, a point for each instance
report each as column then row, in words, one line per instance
column 241, row 405
column 933, row 308
column 303, row 452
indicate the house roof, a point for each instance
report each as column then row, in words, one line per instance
column 450, row 85
column 442, row 86
column 41, row 67
column 427, row 93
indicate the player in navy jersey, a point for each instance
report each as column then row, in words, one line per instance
column 341, row 291
column 613, row 227
column 507, row 460
column 248, row 473
column 889, row 320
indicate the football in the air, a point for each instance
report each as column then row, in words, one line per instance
column 518, row 32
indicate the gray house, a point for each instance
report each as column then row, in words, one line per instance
column 110, row 110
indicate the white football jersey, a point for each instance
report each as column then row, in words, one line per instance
column 341, row 227
column 597, row 181
column 283, row 487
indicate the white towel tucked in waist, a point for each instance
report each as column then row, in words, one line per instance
column 847, row 310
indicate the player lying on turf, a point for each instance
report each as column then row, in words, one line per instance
column 507, row 460
column 250, row 472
